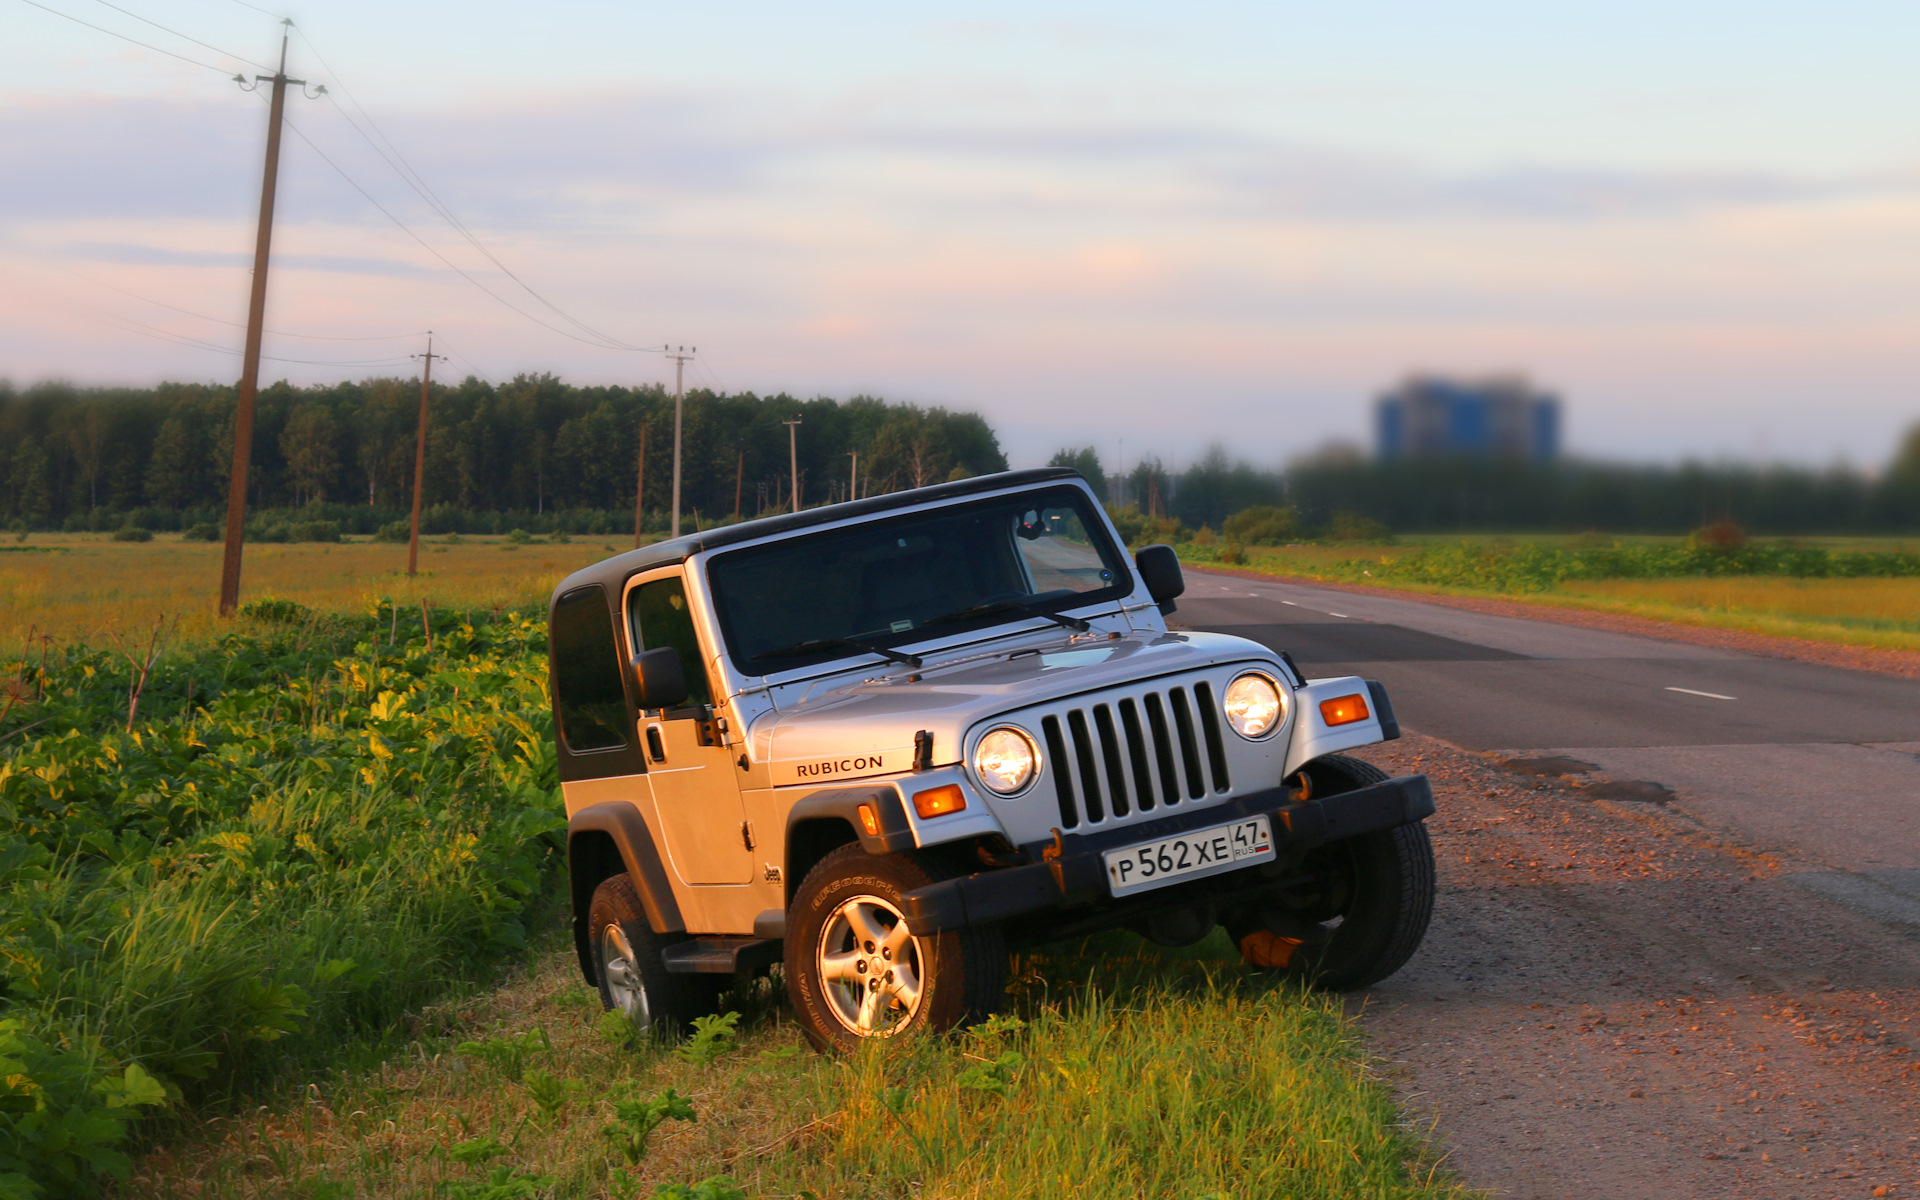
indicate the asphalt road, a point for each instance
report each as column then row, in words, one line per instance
column 1818, row 762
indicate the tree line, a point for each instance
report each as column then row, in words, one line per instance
column 1501, row 495
column 535, row 445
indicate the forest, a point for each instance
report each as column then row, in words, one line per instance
column 95, row 458
column 544, row 454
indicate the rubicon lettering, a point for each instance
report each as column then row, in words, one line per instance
column 839, row 766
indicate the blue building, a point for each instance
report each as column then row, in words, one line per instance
column 1431, row 417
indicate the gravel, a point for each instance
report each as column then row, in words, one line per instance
column 1617, row 1000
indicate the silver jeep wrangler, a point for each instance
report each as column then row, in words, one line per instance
column 883, row 742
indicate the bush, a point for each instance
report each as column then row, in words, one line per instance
column 397, row 531
column 1352, row 527
column 314, row 531
column 132, row 533
column 205, row 531
column 1262, row 526
column 1721, row 535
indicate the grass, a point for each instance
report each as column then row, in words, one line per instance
column 1868, row 611
column 281, row 875
column 1127, row 1071
column 78, row 586
column 308, row 832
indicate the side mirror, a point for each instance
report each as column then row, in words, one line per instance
column 1159, row 569
column 658, row 679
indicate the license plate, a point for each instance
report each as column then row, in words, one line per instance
column 1190, row 855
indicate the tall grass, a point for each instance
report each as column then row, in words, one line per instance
column 334, row 828
column 1122, row 1070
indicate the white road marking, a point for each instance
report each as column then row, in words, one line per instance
column 1708, row 695
column 1342, row 616
column 1290, row 604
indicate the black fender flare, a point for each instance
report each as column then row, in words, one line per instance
column 808, row 839
column 620, row 826
column 894, row 835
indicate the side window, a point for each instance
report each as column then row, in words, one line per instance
column 589, row 692
column 660, row 617
column 1059, row 553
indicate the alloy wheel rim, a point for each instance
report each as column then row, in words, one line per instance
column 622, row 973
column 869, row 967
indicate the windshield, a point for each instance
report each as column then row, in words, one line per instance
column 901, row 579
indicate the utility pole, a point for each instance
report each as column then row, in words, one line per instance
column 679, row 358
column 853, row 476
column 739, row 474
column 420, row 455
column 793, row 458
column 256, row 321
column 640, row 488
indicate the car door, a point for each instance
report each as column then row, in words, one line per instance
column 696, row 790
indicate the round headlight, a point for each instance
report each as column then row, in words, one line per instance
column 1005, row 761
column 1253, row 705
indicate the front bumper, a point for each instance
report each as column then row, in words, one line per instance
column 1077, row 878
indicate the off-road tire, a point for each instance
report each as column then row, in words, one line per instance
column 668, row 1002
column 961, row 975
column 1390, row 885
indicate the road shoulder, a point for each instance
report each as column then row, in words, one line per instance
column 1616, row 999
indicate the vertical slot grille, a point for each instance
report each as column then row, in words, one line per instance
column 1062, row 776
column 1163, row 748
column 1210, row 722
column 1083, row 758
column 1119, row 757
column 1110, row 758
column 1137, row 753
column 1189, row 745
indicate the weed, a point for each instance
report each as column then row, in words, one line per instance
column 551, row 1092
column 718, row 1187
column 712, row 1037
column 508, row 1055
column 637, row 1119
column 503, row 1184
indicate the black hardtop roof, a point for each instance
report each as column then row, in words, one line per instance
column 613, row 573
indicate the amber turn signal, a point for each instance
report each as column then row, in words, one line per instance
column 938, row 802
column 1344, row 710
column 868, row 821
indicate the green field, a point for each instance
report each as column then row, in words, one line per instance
column 254, row 936
column 1852, row 591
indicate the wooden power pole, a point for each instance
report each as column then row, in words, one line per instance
column 250, row 361
column 640, row 489
column 420, row 455
column 793, row 458
column 679, row 358
column 739, row 475
column 853, row 476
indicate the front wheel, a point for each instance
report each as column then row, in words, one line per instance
column 1356, row 909
column 854, row 970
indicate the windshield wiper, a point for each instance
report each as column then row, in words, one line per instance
column 1012, row 606
column 812, row 644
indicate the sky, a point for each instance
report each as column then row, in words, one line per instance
column 1146, row 228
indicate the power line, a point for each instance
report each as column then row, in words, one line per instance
column 311, row 337
column 193, row 343
column 184, row 37
column 123, row 37
column 255, row 7
column 429, row 247
column 409, row 174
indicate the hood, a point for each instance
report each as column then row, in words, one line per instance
column 847, row 728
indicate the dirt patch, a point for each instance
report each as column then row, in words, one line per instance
column 1615, row 1000
column 1833, row 654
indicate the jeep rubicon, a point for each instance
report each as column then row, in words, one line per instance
column 883, row 742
